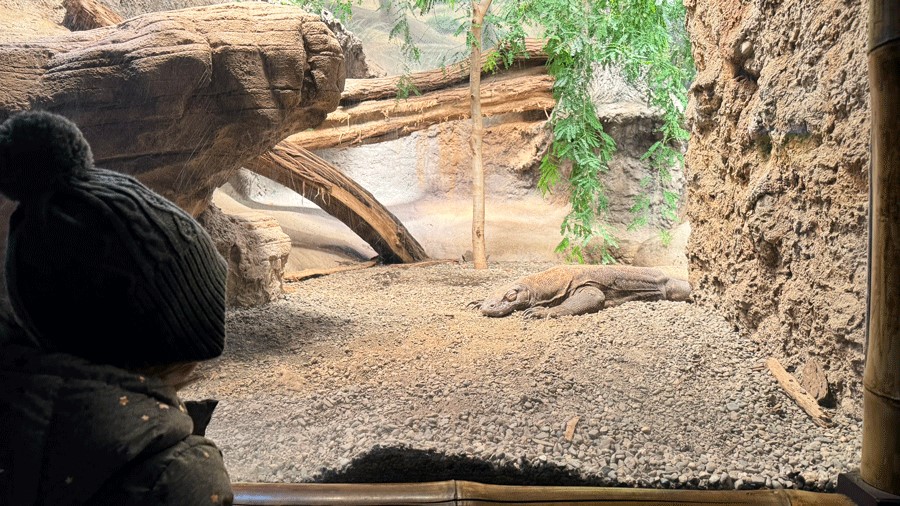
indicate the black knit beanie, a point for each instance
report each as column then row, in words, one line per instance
column 97, row 264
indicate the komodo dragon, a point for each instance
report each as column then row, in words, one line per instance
column 579, row 289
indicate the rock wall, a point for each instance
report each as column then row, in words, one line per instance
column 777, row 171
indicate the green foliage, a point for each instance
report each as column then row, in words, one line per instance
column 447, row 22
column 342, row 9
column 406, row 88
column 665, row 237
column 646, row 39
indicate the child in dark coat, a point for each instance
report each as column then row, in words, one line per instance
column 118, row 294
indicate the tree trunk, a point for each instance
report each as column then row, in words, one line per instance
column 88, row 14
column 479, row 256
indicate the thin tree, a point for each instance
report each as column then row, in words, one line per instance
column 479, row 254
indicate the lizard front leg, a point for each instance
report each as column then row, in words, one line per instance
column 587, row 299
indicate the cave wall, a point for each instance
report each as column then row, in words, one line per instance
column 777, row 171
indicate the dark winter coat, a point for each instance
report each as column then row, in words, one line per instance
column 73, row 432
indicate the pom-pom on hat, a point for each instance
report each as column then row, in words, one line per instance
column 97, row 264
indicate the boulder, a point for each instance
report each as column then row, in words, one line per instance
column 358, row 66
column 257, row 251
column 655, row 253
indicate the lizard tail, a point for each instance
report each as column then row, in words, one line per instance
column 677, row 289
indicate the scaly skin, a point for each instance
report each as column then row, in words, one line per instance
column 579, row 289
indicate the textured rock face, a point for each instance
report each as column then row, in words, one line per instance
column 182, row 98
column 256, row 250
column 777, row 170
column 179, row 99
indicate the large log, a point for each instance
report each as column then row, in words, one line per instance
column 182, row 99
column 360, row 90
column 379, row 120
column 324, row 184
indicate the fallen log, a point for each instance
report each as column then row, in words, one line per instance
column 359, row 90
column 339, row 196
column 182, row 98
column 796, row 392
column 296, row 276
column 379, row 120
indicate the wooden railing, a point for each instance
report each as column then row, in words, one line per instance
column 471, row 493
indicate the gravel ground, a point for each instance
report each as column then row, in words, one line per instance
column 667, row 394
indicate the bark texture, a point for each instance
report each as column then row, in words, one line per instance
column 374, row 121
column 87, row 15
column 181, row 99
column 777, row 168
column 337, row 194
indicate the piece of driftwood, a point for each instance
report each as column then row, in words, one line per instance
column 471, row 493
column 293, row 277
column 528, row 91
column 360, row 90
column 339, row 196
column 570, row 428
column 426, row 263
column 796, row 392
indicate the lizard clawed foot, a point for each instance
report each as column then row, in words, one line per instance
column 475, row 304
column 536, row 312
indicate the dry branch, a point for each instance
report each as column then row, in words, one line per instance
column 570, row 428
column 339, row 196
column 380, row 120
column 293, row 277
column 359, row 90
column 796, row 392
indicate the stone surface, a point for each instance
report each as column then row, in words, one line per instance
column 654, row 252
column 247, row 76
column 777, row 170
column 256, row 250
column 390, row 356
column 814, row 381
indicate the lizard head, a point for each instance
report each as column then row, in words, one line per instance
column 504, row 302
